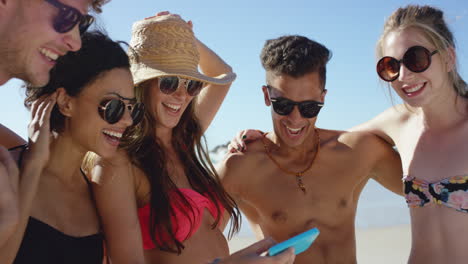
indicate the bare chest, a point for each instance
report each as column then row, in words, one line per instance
column 433, row 156
column 71, row 211
column 326, row 196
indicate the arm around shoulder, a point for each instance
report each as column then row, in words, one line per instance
column 387, row 170
column 386, row 124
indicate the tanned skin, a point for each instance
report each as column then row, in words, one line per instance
column 271, row 198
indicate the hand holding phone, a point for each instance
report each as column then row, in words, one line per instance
column 300, row 242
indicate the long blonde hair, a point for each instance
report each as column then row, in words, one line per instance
column 430, row 21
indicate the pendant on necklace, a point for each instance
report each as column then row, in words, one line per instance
column 300, row 183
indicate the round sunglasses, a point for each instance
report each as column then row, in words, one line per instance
column 68, row 17
column 416, row 59
column 169, row 85
column 112, row 111
column 308, row 109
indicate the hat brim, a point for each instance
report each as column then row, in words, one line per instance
column 144, row 73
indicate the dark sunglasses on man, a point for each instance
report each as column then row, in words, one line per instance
column 169, row 85
column 284, row 106
column 68, row 17
column 112, row 110
column 416, row 59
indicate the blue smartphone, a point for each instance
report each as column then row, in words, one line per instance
column 300, row 242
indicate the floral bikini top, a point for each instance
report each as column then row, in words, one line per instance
column 451, row 192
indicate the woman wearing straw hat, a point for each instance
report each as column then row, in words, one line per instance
column 164, row 190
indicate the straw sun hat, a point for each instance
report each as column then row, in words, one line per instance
column 165, row 46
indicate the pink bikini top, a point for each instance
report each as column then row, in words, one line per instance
column 451, row 192
column 181, row 221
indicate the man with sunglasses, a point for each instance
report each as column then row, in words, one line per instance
column 33, row 35
column 298, row 176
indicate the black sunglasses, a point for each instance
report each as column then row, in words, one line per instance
column 283, row 106
column 308, row 109
column 112, row 110
column 169, row 85
column 68, row 17
column 416, row 59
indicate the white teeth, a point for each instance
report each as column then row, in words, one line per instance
column 414, row 89
column 112, row 133
column 173, row 106
column 294, row 130
column 49, row 54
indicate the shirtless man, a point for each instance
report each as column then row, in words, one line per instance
column 298, row 176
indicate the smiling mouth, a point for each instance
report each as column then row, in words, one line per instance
column 52, row 56
column 172, row 107
column 294, row 131
column 112, row 136
column 414, row 89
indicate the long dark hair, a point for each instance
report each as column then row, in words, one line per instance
column 147, row 153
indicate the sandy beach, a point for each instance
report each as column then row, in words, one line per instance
column 383, row 245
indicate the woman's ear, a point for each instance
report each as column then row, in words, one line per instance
column 64, row 102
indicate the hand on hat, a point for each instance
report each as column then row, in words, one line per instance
column 167, row 13
column 164, row 13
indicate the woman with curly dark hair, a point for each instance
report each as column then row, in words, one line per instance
column 86, row 106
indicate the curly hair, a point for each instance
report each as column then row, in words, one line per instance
column 295, row 56
column 96, row 5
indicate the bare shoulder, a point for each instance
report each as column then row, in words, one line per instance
column 387, row 124
column 365, row 145
column 330, row 139
column 395, row 114
column 102, row 171
column 9, row 139
column 251, row 156
column 359, row 139
column 235, row 170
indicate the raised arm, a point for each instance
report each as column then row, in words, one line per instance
column 34, row 161
column 114, row 190
column 210, row 98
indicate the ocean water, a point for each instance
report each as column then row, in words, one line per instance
column 377, row 206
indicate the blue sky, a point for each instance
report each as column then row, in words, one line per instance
column 237, row 30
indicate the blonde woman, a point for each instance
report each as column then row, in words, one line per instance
column 417, row 57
